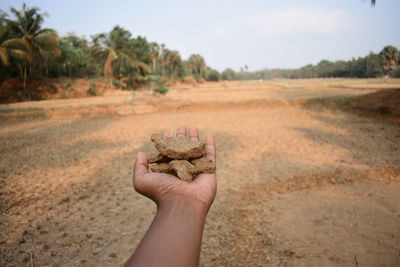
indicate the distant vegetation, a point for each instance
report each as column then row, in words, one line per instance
column 370, row 66
column 31, row 56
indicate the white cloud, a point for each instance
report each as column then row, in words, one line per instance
column 297, row 20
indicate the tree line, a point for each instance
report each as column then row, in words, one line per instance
column 30, row 52
column 371, row 66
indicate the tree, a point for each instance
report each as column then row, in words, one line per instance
column 74, row 55
column 389, row 57
column 154, row 53
column 102, row 54
column 211, row 74
column 162, row 48
column 196, row 65
column 10, row 47
column 38, row 42
column 228, row 74
column 13, row 49
column 4, row 57
column 171, row 62
column 373, row 67
column 116, row 51
column 142, row 49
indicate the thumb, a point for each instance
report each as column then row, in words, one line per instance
column 141, row 164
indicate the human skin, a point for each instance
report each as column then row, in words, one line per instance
column 174, row 237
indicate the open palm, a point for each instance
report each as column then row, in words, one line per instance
column 162, row 187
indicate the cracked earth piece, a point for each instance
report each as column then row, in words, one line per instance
column 162, row 167
column 203, row 165
column 178, row 147
column 179, row 156
column 183, row 169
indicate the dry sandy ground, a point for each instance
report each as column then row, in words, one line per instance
column 297, row 185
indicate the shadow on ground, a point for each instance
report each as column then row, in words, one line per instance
column 382, row 105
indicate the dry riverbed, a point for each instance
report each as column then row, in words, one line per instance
column 307, row 176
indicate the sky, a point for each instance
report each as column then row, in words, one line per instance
column 234, row 33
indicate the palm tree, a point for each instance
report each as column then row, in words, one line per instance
column 39, row 42
column 196, row 65
column 389, row 56
column 74, row 54
column 3, row 37
column 114, row 49
column 11, row 49
column 175, row 61
column 172, row 59
column 101, row 51
column 154, row 53
column 162, row 58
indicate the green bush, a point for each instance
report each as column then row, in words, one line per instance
column 115, row 83
column 162, row 90
column 91, row 91
column 153, row 82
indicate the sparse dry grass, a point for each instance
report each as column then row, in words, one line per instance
column 298, row 183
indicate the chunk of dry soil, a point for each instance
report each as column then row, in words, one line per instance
column 162, row 167
column 203, row 165
column 178, row 147
column 185, row 157
column 183, row 169
column 154, row 156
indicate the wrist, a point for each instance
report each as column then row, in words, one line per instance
column 183, row 206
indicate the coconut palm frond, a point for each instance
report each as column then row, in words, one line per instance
column 16, row 13
column 16, row 28
column 128, row 58
column 4, row 56
column 46, row 31
column 20, row 55
column 143, row 67
column 98, row 52
column 3, row 15
column 15, row 43
column 27, row 45
column 47, row 40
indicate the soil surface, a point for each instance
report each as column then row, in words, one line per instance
column 308, row 175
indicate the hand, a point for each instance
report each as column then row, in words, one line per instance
column 165, row 188
column 174, row 236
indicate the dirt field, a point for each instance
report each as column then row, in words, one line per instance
column 308, row 174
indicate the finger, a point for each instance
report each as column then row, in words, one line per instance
column 210, row 148
column 167, row 133
column 181, row 132
column 141, row 164
column 194, row 134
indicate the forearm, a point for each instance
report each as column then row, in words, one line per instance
column 174, row 237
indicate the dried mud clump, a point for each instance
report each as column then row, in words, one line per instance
column 163, row 167
column 183, row 169
column 178, row 147
column 180, row 156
